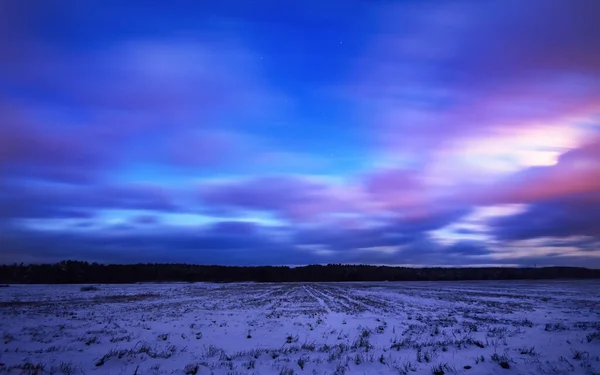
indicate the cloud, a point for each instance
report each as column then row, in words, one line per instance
column 31, row 149
column 20, row 202
column 389, row 237
column 463, row 248
column 370, row 198
column 576, row 172
column 180, row 102
column 438, row 82
column 395, row 188
column 294, row 198
column 221, row 243
column 146, row 219
column 577, row 214
column 235, row 228
column 243, row 243
column 208, row 245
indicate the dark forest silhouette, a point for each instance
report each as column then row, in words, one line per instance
column 68, row 272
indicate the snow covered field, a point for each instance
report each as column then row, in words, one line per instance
column 537, row 327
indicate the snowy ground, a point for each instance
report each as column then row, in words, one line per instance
column 550, row 327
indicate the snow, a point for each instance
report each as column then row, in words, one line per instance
column 530, row 327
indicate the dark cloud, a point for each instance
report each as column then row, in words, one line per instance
column 237, row 243
column 235, row 228
column 42, row 201
column 146, row 219
column 391, row 233
column 467, row 248
column 199, row 245
column 560, row 217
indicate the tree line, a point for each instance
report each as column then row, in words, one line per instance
column 75, row 272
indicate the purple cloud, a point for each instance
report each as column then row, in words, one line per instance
column 438, row 75
column 164, row 101
column 31, row 150
column 291, row 198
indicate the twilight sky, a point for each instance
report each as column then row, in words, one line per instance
column 246, row 132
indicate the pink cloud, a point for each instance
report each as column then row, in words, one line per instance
column 397, row 191
column 30, row 149
column 204, row 149
column 292, row 198
column 370, row 200
column 577, row 172
column 445, row 75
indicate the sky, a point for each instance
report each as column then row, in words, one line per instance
column 243, row 132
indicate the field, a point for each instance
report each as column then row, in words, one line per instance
column 549, row 327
